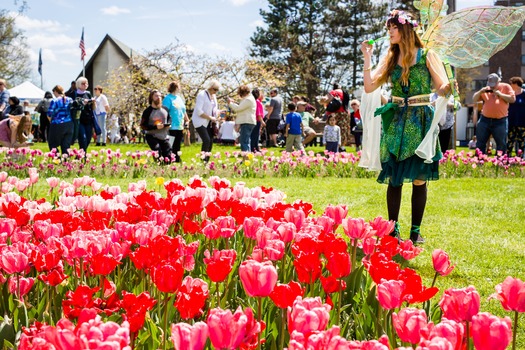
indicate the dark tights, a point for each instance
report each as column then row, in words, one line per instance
column 419, row 200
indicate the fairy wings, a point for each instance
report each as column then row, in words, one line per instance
column 463, row 39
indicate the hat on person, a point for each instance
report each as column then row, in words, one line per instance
column 493, row 80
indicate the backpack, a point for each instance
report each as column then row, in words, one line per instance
column 334, row 105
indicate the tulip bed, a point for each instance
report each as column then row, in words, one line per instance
column 215, row 266
column 104, row 162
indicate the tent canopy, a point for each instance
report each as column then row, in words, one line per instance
column 27, row 91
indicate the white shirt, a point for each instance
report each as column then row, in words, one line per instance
column 204, row 104
column 101, row 102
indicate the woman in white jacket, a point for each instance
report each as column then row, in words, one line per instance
column 205, row 113
column 245, row 115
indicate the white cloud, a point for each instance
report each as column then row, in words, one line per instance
column 257, row 23
column 239, row 2
column 114, row 10
column 218, row 47
column 30, row 24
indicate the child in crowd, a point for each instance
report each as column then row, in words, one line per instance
column 227, row 131
column 472, row 143
column 332, row 135
column 294, row 129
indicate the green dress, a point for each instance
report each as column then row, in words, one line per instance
column 407, row 129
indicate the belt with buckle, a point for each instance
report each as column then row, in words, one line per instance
column 417, row 100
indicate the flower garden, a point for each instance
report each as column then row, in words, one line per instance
column 211, row 265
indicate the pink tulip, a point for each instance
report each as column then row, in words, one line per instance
column 251, row 225
column 390, row 294
column 187, row 337
column 441, row 262
column 295, row 216
column 336, row 213
column 25, row 285
column 490, row 332
column 3, row 176
column 409, row 323
column 460, row 304
column 382, row 227
column 53, row 181
column 357, row 229
column 450, row 330
column 286, row 232
column 308, row 315
column 258, row 279
column 13, row 261
column 226, row 330
column 511, row 293
column 436, row 343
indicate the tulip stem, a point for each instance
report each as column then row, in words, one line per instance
column 354, row 253
column 338, row 321
column 283, row 323
column 166, row 310
column 259, row 314
column 516, row 314
column 218, row 294
column 467, row 332
column 434, row 280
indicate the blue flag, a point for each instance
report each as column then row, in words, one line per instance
column 40, row 62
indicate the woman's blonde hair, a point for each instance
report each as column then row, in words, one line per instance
column 409, row 40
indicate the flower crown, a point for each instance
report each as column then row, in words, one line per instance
column 403, row 18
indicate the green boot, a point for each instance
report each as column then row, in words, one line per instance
column 415, row 235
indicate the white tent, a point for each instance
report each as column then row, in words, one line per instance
column 27, row 91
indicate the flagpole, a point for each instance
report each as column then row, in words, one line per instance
column 82, row 47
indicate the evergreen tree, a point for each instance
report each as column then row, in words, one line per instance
column 295, row 40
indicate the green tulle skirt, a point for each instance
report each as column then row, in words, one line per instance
column 408, row 170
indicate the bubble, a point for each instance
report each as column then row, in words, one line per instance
column 317, row 5
column 269, row 36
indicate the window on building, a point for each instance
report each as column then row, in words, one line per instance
column 523, row 60
column 523, row 35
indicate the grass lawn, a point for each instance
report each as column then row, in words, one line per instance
column 479, row 222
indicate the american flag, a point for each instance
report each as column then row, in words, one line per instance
column 82, row 47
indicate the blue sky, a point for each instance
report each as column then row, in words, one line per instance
column 217, row 27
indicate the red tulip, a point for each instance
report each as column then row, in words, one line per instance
column 409, row 323
column 339, row 264
column 191, row 297
column 53, row 277
column 511, row 293
column 283, row 295
column 331, row 284
column 188, row 337
column 390, row 294
column 168, row 276
column 78, row 300
column 441, row 262
column 308, row 315
column 136, row 308
column 103, row 264
column 460, row 304
column 258, row 279
column 490, row 332
column 220, row 264
column 308, row 267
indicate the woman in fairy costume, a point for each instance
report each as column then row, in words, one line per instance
column 414, row 72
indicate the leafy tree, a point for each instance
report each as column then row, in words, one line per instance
column 128, row 87
column 14, row 58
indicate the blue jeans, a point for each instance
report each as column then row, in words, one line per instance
column 495, row 127
column 101, row 119
column 254, row 144
column 85, row 134
column 245, row 137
